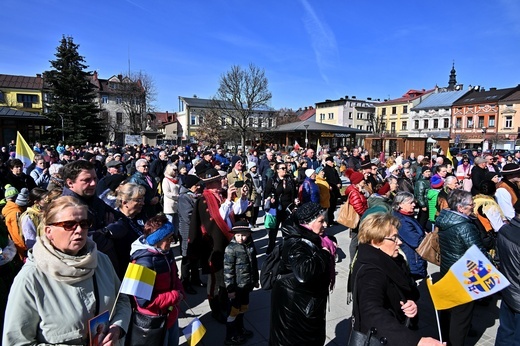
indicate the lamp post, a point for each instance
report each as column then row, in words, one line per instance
column 62, row 129
column 306, row 139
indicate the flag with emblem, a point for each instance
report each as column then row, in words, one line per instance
column 470, row 278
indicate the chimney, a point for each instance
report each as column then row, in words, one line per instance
column 38, row 75
column 369, row 98
column 354, row 97
column 120, row 76
column 346, row 96
column 493, row 89
column 95, row 76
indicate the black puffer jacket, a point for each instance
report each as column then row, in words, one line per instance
column 508, row 245
column 457, row 233
column 240, row 266
column 421, row 188
column 299, row 301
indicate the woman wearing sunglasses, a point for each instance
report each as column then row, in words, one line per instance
column 64, row 283
column 384, row 294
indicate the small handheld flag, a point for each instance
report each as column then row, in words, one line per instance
column 138, row 281
column 23, row 151
column 194, row 332
column 470, row 278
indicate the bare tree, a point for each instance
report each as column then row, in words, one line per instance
column 243, row 93
column 377, row 122
column 286, row 116
column 210, row 131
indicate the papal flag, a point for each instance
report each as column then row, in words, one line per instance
column 23, row 151
column 470, row 278
column 138, row 281
column 194, row 332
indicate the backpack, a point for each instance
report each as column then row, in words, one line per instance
column 271, row 268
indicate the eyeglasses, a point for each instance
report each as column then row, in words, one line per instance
column 144, row 166
column 394, row 238
column 72, row 225
column 283, row 168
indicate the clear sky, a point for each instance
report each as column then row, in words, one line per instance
column 310, row 50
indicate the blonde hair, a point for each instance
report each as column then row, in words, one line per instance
column 128, row 191
column 59, row 204
column 389, row 162
column 375, row 227
column 168, row 171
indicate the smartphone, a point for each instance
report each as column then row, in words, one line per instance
column 239, row 183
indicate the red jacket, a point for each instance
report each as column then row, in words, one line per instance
column 356, row 199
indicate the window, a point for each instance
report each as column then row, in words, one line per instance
column 404, row 125
column 350, row 115
column 392, row 126
column 509, row 122
column 322, row 116
column 259, row 123
column 446, row 123
column 416, row 124
column 370, row 128
column 193, row 120
column 394, row 110
column 27, row 100
column 359, row 116
column 383, row 111
column 491, row 121
column 360, row 127
column 435, row 123
column 350, row 126
column 251, row 124
column 470, row 123
column 104, row 98
column 458, row 123
column 119, row 117
column 119, row 100
column 270, row 122
column 480, row 122
column 331, row 116
column 425, row 124
column 2, row 98
column 405, row 109
column 223, row 120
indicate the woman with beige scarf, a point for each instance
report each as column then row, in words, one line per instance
column 64, row 283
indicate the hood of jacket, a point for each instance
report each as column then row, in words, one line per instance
column 11, row 207
column 140, row 249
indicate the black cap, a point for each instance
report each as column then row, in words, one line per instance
column 191, row 180
column 308, row 212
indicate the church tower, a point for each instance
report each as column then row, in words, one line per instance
column 453, row 78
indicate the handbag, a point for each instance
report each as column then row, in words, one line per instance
column 429, row 248
column 146, row 330
column 270, row 219
column 347, row 215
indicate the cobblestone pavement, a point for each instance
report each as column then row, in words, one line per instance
column 484, row 323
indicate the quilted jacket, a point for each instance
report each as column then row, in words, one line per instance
column 240, row 266
column 421, row 188
column 357, row 199
column 457, row 233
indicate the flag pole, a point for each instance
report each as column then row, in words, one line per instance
column 114, row 307
column 436, row 312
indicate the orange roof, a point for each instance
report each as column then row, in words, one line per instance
column 410, row 95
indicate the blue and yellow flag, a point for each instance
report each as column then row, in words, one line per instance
column 470, row 278
column 23, row 151
column 138, row 281
column 194, row 332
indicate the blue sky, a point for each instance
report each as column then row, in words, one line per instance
column 310, row 50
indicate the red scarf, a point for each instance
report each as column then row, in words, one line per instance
column 213, row 209
column 175, row 181
column 411, row 213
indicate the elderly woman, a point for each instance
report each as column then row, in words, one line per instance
column 410, row 232
column 457, row 233
column 128, row 227
column 64, row 283
column 153, row 250
column 384, row 293
column 299, row 297
column 170, row 188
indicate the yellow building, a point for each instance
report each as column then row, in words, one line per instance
column 508, row 122
column 23, row 93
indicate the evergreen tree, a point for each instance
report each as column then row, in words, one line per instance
column 73, row 97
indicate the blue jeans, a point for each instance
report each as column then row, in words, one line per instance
column 508, row 333
column 172, row 335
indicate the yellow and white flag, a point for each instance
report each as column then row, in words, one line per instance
column 138, row 281
column 194, row 332
column 23, row 151
column 470, row 278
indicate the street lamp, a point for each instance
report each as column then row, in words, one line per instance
column 306, row 139
column 62, row 129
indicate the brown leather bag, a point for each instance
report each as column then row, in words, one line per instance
column 347, row 215
column 429, row 248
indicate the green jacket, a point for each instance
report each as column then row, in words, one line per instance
column 421, row 188
column 431, row 195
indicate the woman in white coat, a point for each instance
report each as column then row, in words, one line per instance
column 170, row 188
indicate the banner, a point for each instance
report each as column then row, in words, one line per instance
column 23, row 151
column 470, row 278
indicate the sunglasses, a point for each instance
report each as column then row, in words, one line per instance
column 72, row 225
column 283, row 168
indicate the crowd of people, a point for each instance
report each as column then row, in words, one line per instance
column 78, row 216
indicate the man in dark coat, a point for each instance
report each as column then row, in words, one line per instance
column 141, row 177
column 478, row 174
column 158, row 166
column 332, row 177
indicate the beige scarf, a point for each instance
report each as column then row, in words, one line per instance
column 62, row 267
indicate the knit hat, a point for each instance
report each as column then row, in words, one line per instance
column 10, row 191
column 191, row 180
column 510, row 169
column 383, row 190
column 356, row 178
column 23, row 198
column 392, row 168
column 426, row 169
column 308, row 212
column 319, row 169
column 251, row 165
column 309, row 172
column 241, row 226
column 234, row 160
column 163, row 232
column 405, row 162
column 436, row 182
column 329, row 158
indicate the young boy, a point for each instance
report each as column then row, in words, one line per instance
column 240, row 276
column 14, row 207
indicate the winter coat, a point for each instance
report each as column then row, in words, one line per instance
column 167, row 290
column 240, row 266
column 44, row 311
column 508, row 246
column 422, row 185
column 381, row 283
column 405, row 184
column 324, row 187
column 356, row 199
column 299, row 300
column 412, row 234
column 19, row 181
column 11, row 212
column 465, row 171
column 310, row 191
column 333, row 179
column 151, row 191
column 170, row 189
column 431, row 195
column 457, row 233
column 284, row 196
column 187, row 201
column 254, row 181
column 40, row 179
column 478, row 175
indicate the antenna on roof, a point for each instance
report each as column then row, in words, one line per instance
column 128, row 61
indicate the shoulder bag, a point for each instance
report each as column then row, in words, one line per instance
column 347, row 215
column 429, row 248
